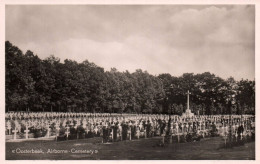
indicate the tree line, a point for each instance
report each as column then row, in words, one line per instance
column 33, row 84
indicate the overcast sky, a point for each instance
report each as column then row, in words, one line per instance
column 173, row 39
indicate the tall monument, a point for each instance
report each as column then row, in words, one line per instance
column 188, row 112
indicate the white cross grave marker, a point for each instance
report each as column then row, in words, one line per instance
column 15, row 131
column 67, row 132
column 9, row 127
column 48, row 130
column 26, row 132
column 58, row 130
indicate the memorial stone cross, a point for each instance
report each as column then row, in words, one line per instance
column 15, row 131
column 188, row 99
column 96, row 129
column 9, row 127
column 171, row 135
column 112, row 134
column 57, row 130
column 84, row 124
column 121, row 132
column 204, row 128
column 138, row 132
column 187, row 127
column 26, row 132
column 48, row 130
column 163, row 135
column 64, row 123
column 233, row 129
column 177, row 131
column 67, row 132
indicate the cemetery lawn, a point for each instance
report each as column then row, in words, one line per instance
column 143, row 149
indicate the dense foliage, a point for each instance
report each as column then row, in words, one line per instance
column 33, row 84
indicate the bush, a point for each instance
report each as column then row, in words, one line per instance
column 90, row 134
column 182, row 138
column 189, row 137
column 81, row 132
column 214, row 131
column 62, row 131
column 62, row 137
column 73, row 133
column 38, row 132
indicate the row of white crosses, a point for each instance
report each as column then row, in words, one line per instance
column 71, row 124
column 160, row 118
column 71, row 114
column 234, row 130
column 91, row 126
column 39, row 115
column 16, row 130
column 135, row 117
column 26, row 131
column 138, row 126
column 77, row 120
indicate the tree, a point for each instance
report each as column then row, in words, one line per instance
column 33, row 84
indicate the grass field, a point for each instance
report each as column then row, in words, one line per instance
column 143, row 149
